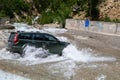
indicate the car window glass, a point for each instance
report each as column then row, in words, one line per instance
column 25, row 36
column 38, row 37
column 50, row 38
column 11, row 36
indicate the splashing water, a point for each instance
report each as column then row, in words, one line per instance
column 101, row 77
column 67, row 64
column 8, row 76
column 65, row 68
column 35, row 54
column 83, row 55
column 4, row 54
column 24, row 27
column 27, row 28
column 32, row 53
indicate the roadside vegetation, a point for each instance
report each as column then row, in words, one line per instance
column 50, row 11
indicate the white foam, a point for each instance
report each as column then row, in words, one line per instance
column 32, row 56
column 38, row 55
column 24, row 27
column 65, row 69
column 35, row 56
column 28, row 28
column 4, row 54
column 8, row 76
column 32, row 53
column 83, row 55
column 101, row 77
column 55, row 30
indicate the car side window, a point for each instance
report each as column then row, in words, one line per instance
column 50, row 38
column 38, row 37
column 25, row 36
column 11, row 36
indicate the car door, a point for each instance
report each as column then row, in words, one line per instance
column 52, row 44
column 38, row 40
column 25, row 38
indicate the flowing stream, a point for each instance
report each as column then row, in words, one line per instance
column 71, row 54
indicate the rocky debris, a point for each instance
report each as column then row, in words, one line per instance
column 38, row 26
column 52, row 25
column 81, row 15
column 110, row 8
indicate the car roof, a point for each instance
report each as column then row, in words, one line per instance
column 31, row 32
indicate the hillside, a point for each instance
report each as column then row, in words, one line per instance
column 110, row 9
column 52, row 11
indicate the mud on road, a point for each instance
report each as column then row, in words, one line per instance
column 100, row 45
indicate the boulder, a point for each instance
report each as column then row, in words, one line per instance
column 6, row 26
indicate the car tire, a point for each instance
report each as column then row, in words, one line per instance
column 60, row 54
column 44, row 46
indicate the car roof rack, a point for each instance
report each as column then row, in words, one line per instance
column 30, row 31
column 20, row 31
column 38, row 31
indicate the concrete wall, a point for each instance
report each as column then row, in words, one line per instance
column 95, row 26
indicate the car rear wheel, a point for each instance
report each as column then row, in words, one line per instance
column 23, row 51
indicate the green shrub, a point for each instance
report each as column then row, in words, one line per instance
column 2, row 14
column 116, row 20
column 58, row 14
column 11, row 6
column 52, row 11
column 107, row 19
column 46, row 18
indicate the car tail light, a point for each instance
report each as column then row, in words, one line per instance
column 16, row 39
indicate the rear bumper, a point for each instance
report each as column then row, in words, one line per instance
column 14, row 49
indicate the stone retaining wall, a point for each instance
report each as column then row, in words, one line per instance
column 95, row 26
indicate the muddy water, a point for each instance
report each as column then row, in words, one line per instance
column 91, row 57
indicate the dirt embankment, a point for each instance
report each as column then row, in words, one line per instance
column 110, row 8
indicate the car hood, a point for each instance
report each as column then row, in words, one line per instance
column 64, row 43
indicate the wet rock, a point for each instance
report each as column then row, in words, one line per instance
column 6, row 26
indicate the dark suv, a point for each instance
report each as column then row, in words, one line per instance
column 19, row 40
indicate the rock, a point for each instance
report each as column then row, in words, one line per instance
column 54, row 25
column 37, row 26
column 6, row 26
column 2, row 44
